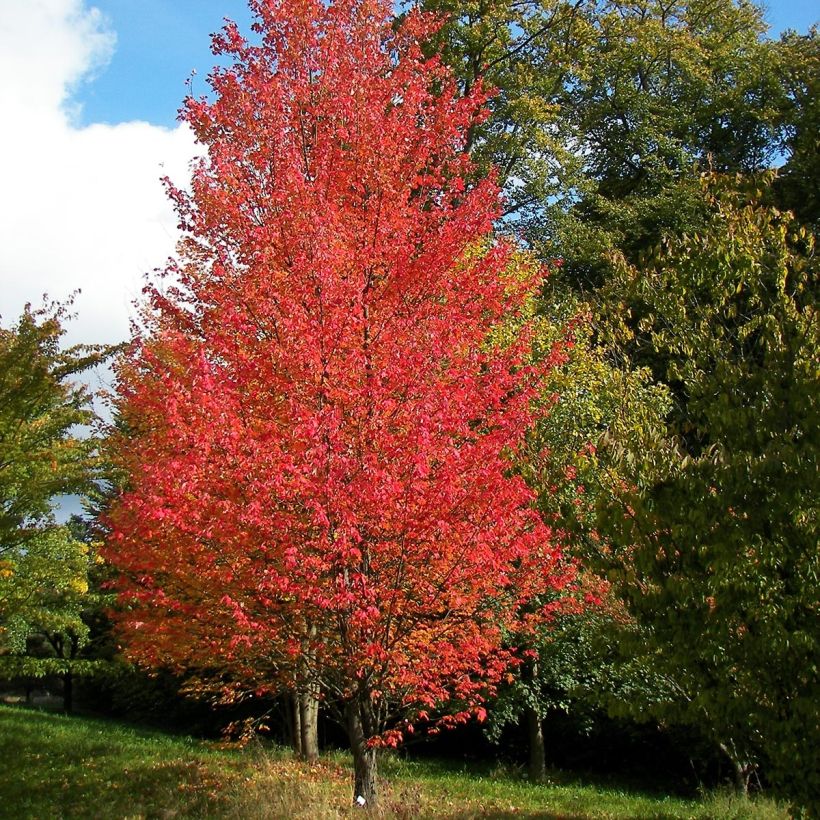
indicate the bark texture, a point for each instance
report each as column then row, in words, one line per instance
column 364, row 757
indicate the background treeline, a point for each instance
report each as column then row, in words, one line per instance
column 636, row 143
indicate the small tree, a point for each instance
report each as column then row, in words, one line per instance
column 320, row 495
column 586, row 398
column 43, row 567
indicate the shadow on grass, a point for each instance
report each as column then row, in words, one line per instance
column 493, row 771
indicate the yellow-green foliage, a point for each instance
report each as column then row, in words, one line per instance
column 44, row 568
column 716, row 534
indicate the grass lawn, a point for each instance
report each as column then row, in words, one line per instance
column 60, row 767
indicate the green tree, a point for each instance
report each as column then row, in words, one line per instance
column 530, row 52
column 594, row 397
column 714, row 540
column 607, row 112
column 44, row 566
column 798, row 185
column 605, row 109
column 665, row 90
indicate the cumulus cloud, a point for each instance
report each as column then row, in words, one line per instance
column 81, row 207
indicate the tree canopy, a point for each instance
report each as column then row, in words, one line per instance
column 485, row 378
column 43, row 455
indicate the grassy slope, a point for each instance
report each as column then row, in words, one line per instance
column 55, row 767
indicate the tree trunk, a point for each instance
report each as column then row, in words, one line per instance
column 740, row 770
column 535, row 730
column 309, row 723
column 302, row 714
column 741, row 781
column 68, row 692
column 294, row 718
column 364, row 760
column 306, row 702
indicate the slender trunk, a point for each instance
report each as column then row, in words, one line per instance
column 295, row 723
column 309, row 723
column 68, row 692
column 739, row 769
column 302, row 713
column 741, row 781
column 535, row 733
column 306, row 702
column 535, row 730
column 364, row 760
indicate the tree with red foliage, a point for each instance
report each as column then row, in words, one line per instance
column 320, row 420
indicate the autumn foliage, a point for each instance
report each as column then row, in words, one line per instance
column 319, row 424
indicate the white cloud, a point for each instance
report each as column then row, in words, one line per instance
column 81, row 207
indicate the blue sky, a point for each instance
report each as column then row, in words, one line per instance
column 159, row 42
column 796, row 14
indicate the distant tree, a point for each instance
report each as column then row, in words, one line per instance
column 51, row 632
column 715, row 538
column 798, row 185
column 321, row 485
column 44, row 566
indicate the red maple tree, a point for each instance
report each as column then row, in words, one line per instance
column 320, row 424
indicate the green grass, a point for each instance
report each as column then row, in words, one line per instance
column 56, row 766
column 70, row 767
